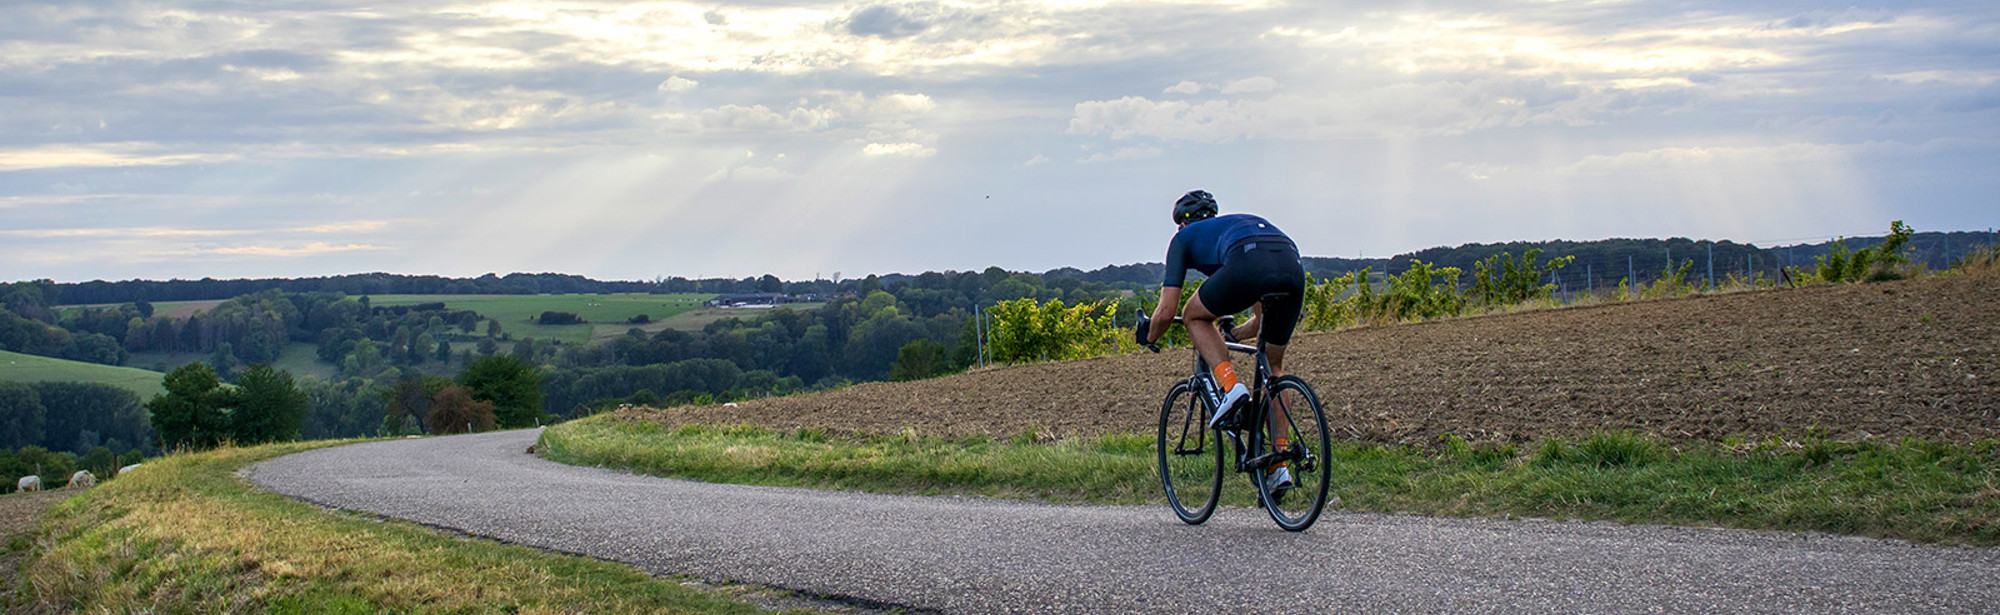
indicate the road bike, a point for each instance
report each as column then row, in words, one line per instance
column 1192, row 454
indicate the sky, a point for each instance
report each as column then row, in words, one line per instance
column 646, row 139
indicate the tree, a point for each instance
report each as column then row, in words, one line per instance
column 53, row 467
column 82, row 415
column 100, row 461
column 918, row 360
column 224, row 361
column 412, row 398
column 192, row 413
column 270, row 407
column 559, row 318
column 511, row 384
column 21, row 416
column 454, row 411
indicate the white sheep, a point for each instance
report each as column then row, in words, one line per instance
column 82, row 479
column 123, row 470
column 29, row 483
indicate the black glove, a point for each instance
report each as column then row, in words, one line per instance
column 1141, row 331
column 1227, row 325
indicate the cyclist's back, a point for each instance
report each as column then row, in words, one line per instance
column 1204, row 245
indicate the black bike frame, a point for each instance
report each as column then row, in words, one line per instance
column 1203, row 384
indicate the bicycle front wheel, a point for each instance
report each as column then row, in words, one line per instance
column 1293, row 415
column 1190, row 456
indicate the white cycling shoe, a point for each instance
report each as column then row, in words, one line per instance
column 1230, row 401
column 1278, row 482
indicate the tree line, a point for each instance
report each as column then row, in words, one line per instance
column 394, row 366
column 56, row 428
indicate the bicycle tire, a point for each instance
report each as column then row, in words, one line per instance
column 1311, row 473
column 1190, row 456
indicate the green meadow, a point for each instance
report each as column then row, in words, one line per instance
column 606, row 315
column 17, row 367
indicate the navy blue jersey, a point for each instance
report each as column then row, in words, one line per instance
column 1202, row 245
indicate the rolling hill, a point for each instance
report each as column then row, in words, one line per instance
column 17, row 367
column 1917, row 358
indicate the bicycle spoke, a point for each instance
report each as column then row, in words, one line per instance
column 1294, row 411
column 1192, row 477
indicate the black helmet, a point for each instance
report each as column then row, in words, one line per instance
column 1197, row 205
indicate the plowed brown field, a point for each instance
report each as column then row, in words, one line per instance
column 1909, row 358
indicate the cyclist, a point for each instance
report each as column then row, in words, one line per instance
column 1245, row 258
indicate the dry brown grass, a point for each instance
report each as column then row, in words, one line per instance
column 188, row 535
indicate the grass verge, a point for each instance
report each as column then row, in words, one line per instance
column 1914, row 490
column 186, row 535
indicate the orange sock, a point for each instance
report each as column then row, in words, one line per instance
column 1280, row 444
column 1225, row 376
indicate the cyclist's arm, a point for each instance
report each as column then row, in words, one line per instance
column 1163, row 314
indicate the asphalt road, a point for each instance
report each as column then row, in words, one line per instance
column 957, row 555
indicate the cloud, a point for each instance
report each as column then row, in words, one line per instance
column 1123, row 153
column 907, row 150
column 1395, row 110
column 159, row 232
column 126, row 154
column 267, row 251
column 1476, row 172
column 678, row 84
column 762, row 118
column 1253, row 85
column 1038, row 160
column 1184, row 87
column 749, row 173
column 885, row 21
column 900, row 104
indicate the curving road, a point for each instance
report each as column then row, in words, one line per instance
column 957, row 555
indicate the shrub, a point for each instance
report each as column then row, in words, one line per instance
column 1876, row 264
column 1503, row 280
column 559, row 318
column 454, row 411
column 1025, row 330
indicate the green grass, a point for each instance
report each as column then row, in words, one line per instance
column 1102, row 471
column 17, row 367
column 299, row 358
column 186, row 535
column 1915, row 490
column 302, row 360
column 516, row 313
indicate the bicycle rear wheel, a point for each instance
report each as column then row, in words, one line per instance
column 1294, row 411
column 1190, row 456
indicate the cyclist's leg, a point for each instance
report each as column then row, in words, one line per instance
column 1277, row 321
column 1200, row 324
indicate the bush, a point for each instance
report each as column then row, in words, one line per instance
column 511, row 384
column 1025, row 330
column 1876, row 264
column 559, row 318
column 454, row 411
column 918, row 360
